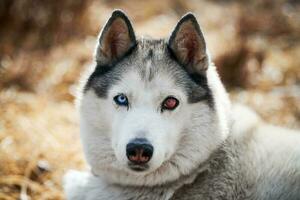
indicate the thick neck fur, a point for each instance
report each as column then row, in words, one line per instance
column 200, row 179
column 217, row 180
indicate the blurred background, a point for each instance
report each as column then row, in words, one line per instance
column 45, row 45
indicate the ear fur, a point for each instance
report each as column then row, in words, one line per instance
column 116, row 39
column 188, row 45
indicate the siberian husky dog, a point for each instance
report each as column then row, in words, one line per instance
column 156, row 123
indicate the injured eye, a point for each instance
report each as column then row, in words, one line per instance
column 121, row 100
column 170, row 103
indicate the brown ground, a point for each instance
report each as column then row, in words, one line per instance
column 44, row 46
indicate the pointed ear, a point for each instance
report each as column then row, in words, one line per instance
column 188, row 45
column 116, row 39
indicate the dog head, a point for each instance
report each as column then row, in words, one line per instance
column 151, row 110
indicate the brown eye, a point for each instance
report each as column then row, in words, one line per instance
column 170, row 103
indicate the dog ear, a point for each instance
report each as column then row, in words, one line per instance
column 188, row 45
column 116, row 39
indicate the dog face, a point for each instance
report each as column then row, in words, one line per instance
column 148, row 110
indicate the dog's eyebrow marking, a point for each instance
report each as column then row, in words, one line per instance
column 150, row 54
column 147, row 72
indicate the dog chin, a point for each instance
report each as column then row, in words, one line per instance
column 140, row 169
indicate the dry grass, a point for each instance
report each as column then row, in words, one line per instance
column 257, row 58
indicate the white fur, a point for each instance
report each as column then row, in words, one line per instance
column 106, row 129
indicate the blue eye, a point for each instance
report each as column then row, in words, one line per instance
column 121, row 100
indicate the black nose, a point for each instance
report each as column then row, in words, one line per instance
column 139, row 151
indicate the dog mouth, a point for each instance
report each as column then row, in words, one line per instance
column 137, row 167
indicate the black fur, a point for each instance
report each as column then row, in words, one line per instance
column 105, row 75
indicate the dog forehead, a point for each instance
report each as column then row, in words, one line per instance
column 152, row 49
column 153, row 57
column 150, row 65
column 134, row 80
column 145, row 67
